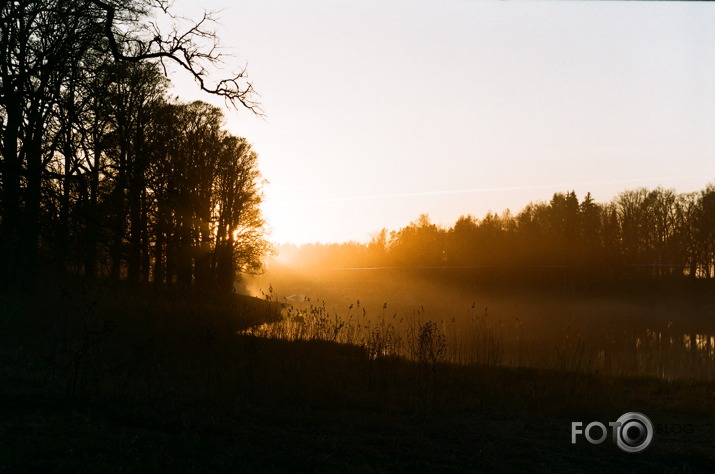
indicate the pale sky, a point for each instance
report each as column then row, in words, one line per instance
column 379, row 111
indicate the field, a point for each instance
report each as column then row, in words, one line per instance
column 123, row 379
column 659, row 331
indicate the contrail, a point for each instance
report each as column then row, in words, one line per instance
column 476, row 190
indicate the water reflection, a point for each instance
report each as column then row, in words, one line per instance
column 669, row 356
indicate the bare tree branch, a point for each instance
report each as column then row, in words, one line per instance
column 183, row 49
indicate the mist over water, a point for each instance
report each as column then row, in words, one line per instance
column 564, row 327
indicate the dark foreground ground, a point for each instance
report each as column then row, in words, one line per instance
column 127, row 381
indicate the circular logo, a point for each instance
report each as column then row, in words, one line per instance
column 634, row 432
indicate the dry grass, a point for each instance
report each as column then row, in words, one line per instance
column 171, row 385
column 575, row 335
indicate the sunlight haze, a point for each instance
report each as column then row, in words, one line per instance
column 380, row 111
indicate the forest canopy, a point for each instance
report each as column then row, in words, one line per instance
column 102, row 173
column 641, row 233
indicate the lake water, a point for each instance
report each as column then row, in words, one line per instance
column 665, row 334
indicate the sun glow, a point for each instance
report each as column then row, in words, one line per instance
column 519, row 101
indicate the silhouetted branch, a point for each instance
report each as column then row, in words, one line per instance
column 183, row 49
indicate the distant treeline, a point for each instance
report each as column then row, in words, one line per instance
column 102, row 174
column 641, row 233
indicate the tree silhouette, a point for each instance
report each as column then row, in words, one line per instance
column 80, row 85
column 640, row 234
column 707, row 232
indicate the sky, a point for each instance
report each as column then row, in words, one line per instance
column 378, row 111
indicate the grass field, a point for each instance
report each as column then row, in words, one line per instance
column 665, row 332
column 125, row 380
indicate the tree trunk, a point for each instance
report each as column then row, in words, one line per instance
column 30, row 237
column 146, row 258
column 159, row 246
column 134, row 260
column 117, row 243
column 63, row 230
column 92, row 219
column 10, row 229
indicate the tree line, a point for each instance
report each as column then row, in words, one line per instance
column 641, row 233
column 102, row 173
